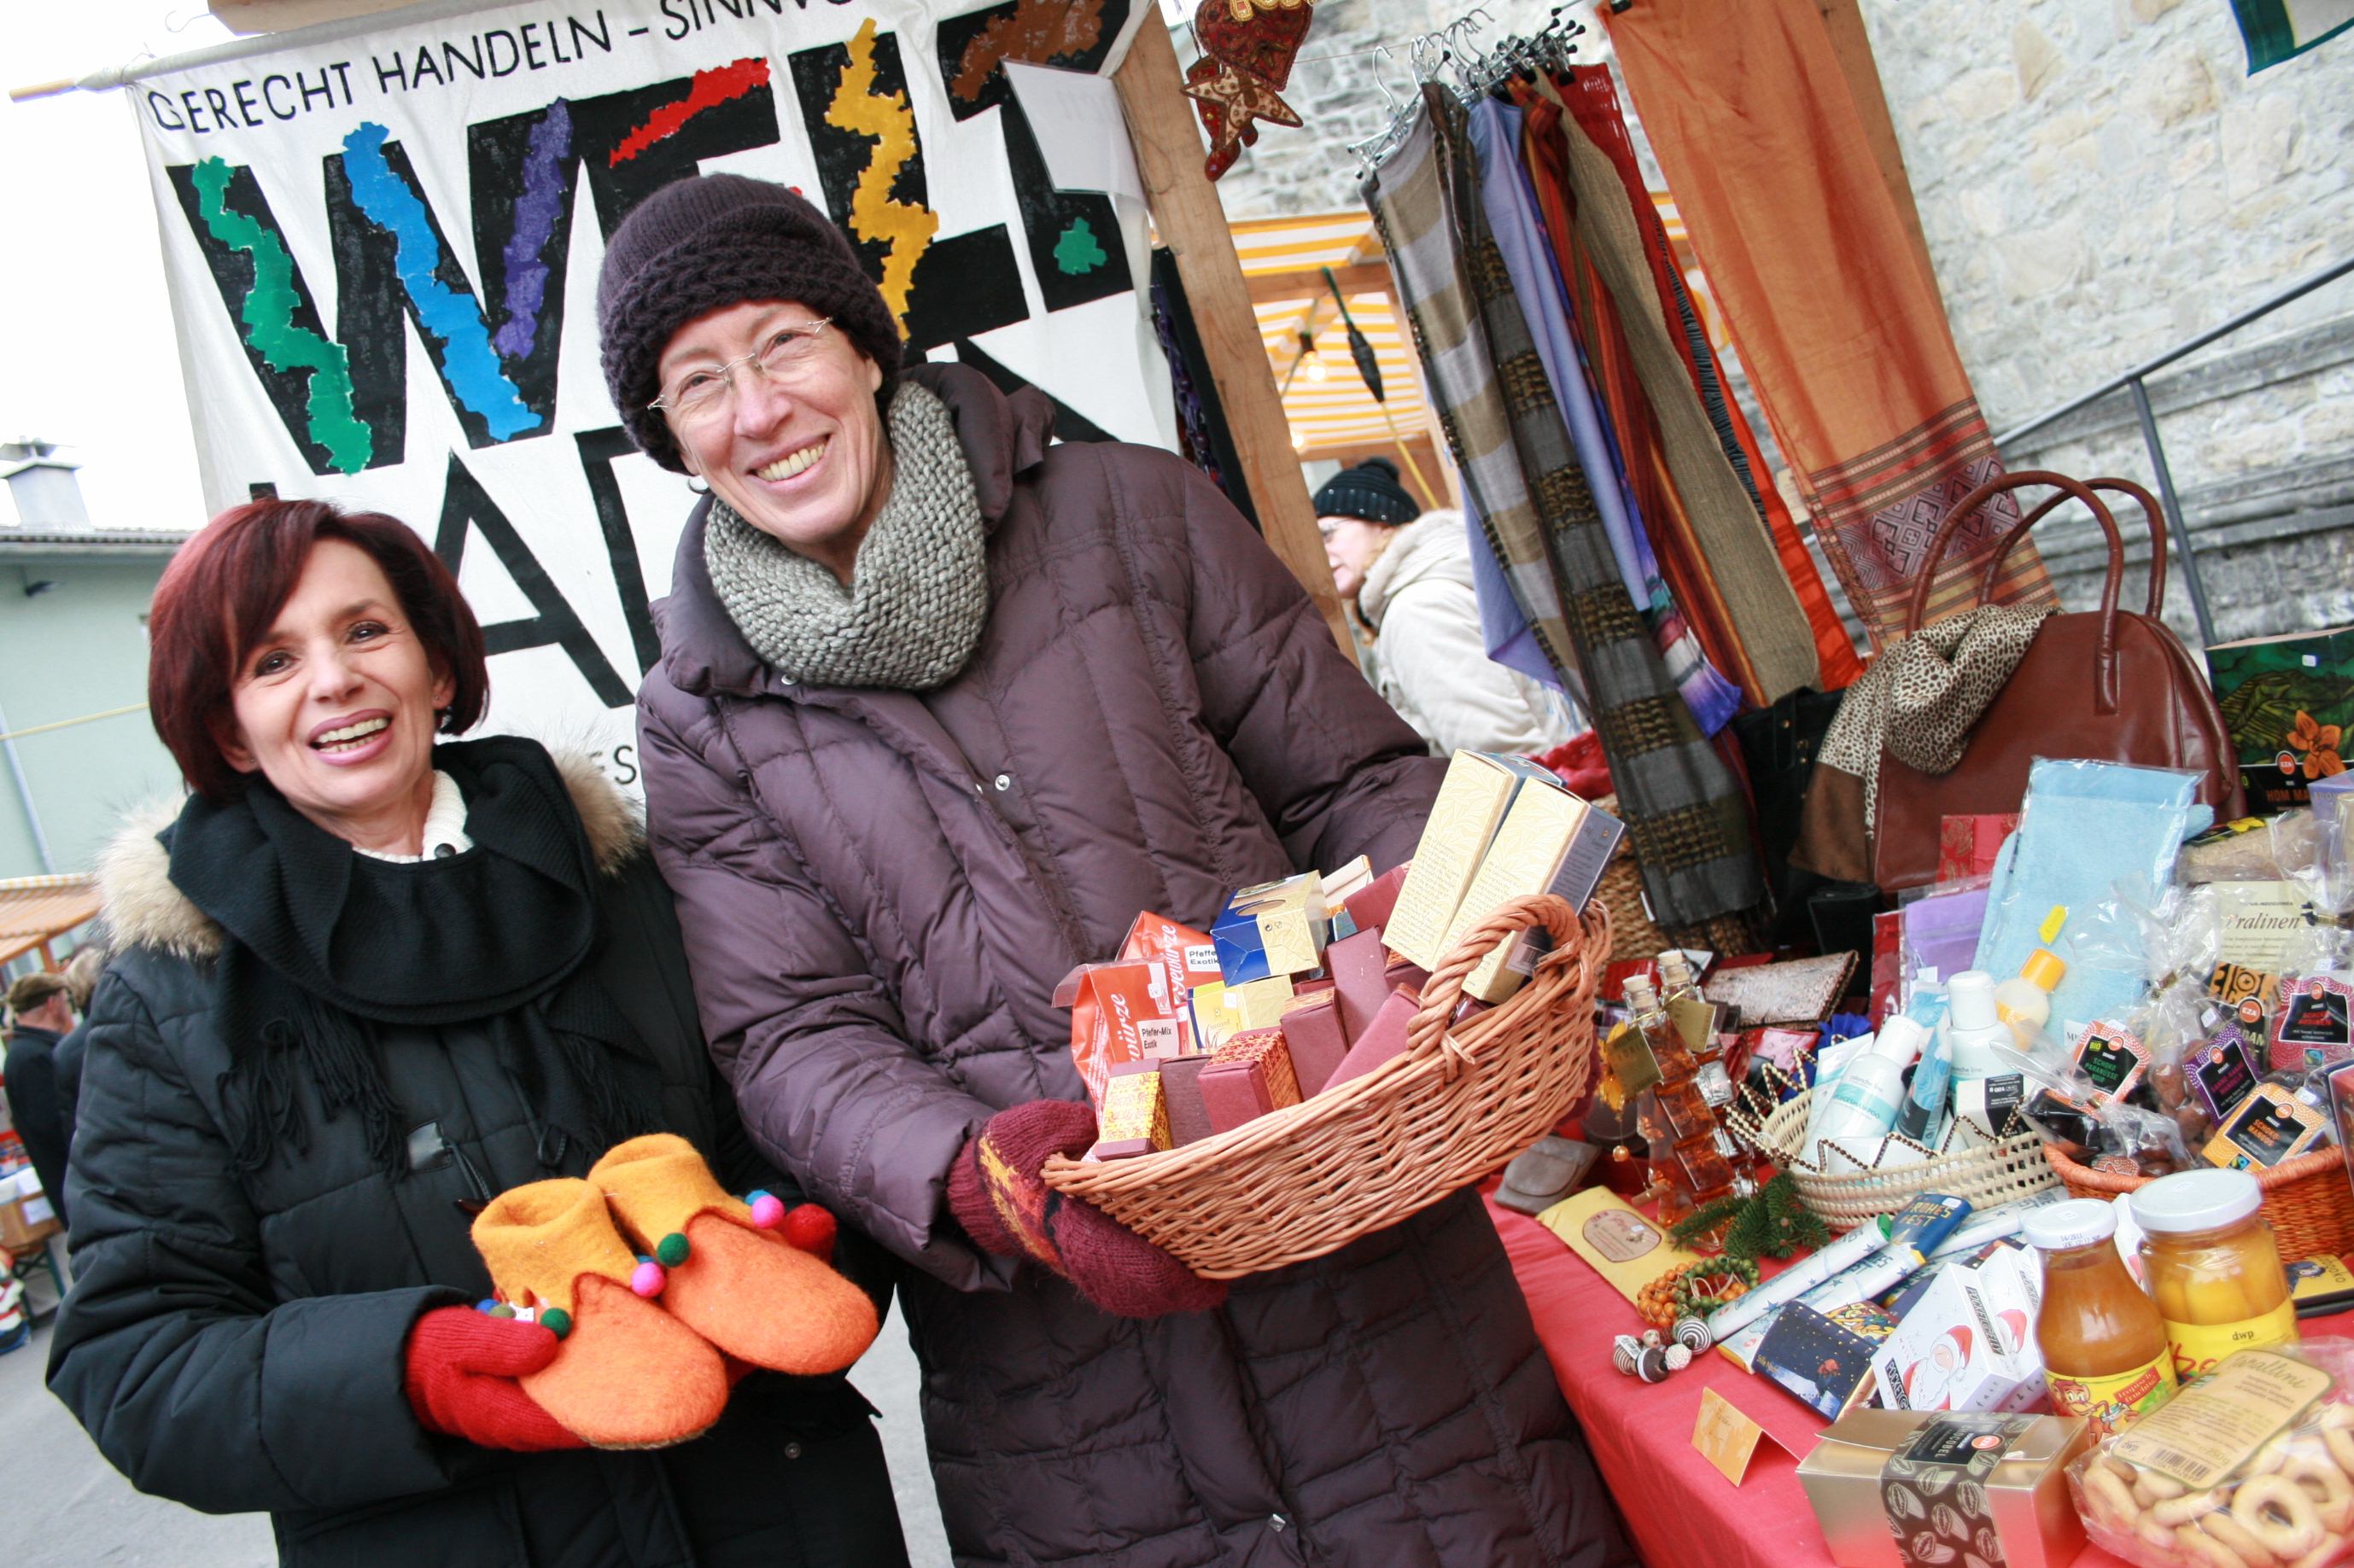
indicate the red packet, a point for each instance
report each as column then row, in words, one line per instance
column 1967, row 846
column 1184, row 957
column 1887, row 963
column 1615, row 976
column 1121, row 1014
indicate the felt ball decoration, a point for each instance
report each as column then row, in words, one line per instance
column 502, row 1310
column 556, row 1321
column 648, row 1278
column 487, row 1304
column 1692, row 1335
column 1677, row 1358
column 1651, row 1339
column 812, row 1229
column 672, row 1250
column 767, row 1210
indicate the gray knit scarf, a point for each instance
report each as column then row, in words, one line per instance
column 918, row 592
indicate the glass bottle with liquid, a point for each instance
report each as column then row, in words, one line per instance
column 1687, row 1169
column 1680, row 995
column 2106, row 1355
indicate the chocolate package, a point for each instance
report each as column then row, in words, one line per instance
column 1904, row 1488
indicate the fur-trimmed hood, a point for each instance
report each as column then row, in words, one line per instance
column 141, row 908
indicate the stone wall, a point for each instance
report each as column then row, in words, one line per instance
column 2098, row 180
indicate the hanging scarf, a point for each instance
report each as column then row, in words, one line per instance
column 918, row 592
column 323, row 946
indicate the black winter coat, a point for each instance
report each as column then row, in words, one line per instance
column 235, row 1342
column 38, row 1110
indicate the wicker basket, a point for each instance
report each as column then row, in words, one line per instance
column 1988, row 1176
column 1634, row 934
column 1312, row 1178
column 2305, row 1199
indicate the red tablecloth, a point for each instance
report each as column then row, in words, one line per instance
column 1680, row 1510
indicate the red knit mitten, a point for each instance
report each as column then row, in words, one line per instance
column 461, row 1380
column 996, row 1193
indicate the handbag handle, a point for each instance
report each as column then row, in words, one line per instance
column 2105, row 662
column 2156, row 607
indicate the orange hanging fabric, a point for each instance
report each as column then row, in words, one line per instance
column 1837, row 320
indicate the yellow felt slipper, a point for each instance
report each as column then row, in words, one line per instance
column 629, row 1375
column 725, row 1272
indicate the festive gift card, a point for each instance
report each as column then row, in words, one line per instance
column 1627, row 1249
column 1823, row 1358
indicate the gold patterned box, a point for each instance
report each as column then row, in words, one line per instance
column 1550, row 841
column 1135, row 1117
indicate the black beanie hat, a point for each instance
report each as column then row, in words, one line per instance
column 1370, row 491
column 704, row 243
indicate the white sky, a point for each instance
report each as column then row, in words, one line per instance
column 89, row 360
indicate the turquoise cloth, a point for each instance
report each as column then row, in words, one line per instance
column 2086, row 828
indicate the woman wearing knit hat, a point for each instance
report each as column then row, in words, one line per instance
column 1408, row 572
column 941, row 706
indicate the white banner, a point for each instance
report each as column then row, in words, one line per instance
column 382, row 251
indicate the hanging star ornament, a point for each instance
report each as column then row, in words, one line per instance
column 1246, row 55
column 1238, row 98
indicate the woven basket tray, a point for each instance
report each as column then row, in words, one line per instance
column 1312, row 1178
column 1988, row 1176
column 2305, row 1199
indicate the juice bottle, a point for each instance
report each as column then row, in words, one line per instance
column 2106, row 1356
column 2214, row 1267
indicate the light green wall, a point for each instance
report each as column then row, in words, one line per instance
column 80, row 648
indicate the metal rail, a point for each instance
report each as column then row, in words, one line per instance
column 2135, row 381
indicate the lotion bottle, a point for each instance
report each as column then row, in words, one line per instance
column 1985, row 1095
column 1864, row 1105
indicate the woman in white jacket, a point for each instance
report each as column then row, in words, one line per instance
column 1408, row 572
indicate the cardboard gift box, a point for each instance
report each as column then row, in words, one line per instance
column 1135, row 1117
column 1370, row 908
column 1180, row 1098
column 1274, row 928
column 1265, row 1049
column 1548, row 842
column 1313, row 1034
column 1473, row 801
column 1968, row 1341
column 1943, row 1484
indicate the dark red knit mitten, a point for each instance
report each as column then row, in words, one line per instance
column 462, row 1367
column 996, row 1193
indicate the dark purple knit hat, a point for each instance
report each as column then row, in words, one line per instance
column 709, row 241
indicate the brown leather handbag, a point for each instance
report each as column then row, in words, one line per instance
column 2111, row 684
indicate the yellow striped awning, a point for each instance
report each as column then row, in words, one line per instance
column 1330, row 412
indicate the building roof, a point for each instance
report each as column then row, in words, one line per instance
column 32, row 909
column 51, row 541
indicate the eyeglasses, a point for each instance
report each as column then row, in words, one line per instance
column 788, row 356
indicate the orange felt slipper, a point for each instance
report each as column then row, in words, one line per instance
column 629, row 1375
column 720, row 1269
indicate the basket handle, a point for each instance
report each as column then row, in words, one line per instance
column 1586, row 943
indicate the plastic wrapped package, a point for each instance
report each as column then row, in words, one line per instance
column 2084, row 828
column 2252, row 1466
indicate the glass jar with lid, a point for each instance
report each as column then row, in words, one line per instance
column 2212, row 1267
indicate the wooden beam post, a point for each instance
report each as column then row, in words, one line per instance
column 1185, row 210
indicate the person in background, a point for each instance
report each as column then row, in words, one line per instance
column 41, row 1013
column 941, row 706
column 1408, row 573
column 82, row 969
column 368, row 978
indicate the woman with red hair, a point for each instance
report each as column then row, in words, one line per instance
column 368, row 979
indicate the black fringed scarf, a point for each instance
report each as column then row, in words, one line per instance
column 322, row 945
